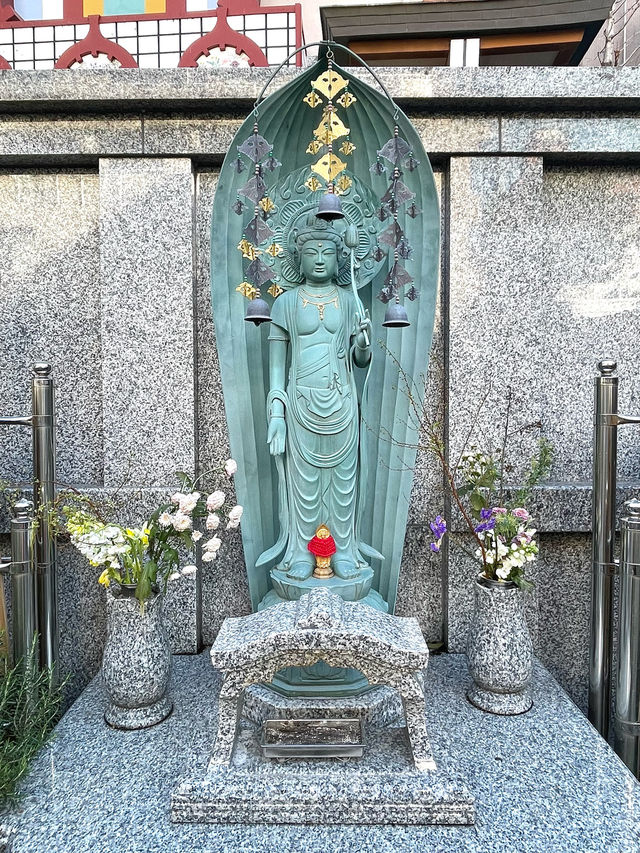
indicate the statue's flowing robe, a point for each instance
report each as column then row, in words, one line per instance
column 323, row 422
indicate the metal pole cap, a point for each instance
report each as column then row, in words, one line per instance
column 41, row 368
column 632, row 507
column 22, row 508
column 607, row 367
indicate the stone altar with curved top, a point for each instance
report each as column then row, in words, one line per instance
column 388, row 650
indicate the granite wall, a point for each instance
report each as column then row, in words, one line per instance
column 107, row 180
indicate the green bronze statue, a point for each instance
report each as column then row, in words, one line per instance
column 313, row 412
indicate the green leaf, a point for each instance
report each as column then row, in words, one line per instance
column 477, row 501
column 186, row 483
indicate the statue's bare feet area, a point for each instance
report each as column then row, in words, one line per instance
column 345, row 569
column 300, row 571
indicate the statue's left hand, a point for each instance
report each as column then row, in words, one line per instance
column 276, row 435
column 363, row 332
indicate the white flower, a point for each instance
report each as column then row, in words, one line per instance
column 213, row 545
column 189, row 571
column 503, row 572
column 215, row 500
column 196, row 535
column 188, row 502
column 230, row 466
column 213, row 521
column 235, row 514
column 164, row 520
column 175, row 499
column 174, row 576
column 208, row 556
column 181, row 521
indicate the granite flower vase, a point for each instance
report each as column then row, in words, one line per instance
column 499, row 649
column 136, row 664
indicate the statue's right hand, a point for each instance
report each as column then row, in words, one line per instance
column 276, row 436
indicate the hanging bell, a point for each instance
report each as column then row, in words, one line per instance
column 395, row 317
column 330, row 207
column 258, row 311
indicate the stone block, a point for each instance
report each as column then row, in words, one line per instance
column 576, row 134
column 69, row 137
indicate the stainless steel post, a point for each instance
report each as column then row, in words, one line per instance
column 605, row 442
column 23, row 582
column 44, row 475
column 627, row 715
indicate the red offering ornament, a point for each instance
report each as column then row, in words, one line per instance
column 322, row 547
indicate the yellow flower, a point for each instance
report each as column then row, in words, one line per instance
column 104, row 578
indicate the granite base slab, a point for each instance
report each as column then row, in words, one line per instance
column 380, row 706
column 544, row 781
column 382, row 787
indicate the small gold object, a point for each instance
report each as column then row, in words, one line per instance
column 275, row 290
column 275, row 250
column 331, row 127
column 267, row 205
column 313, row 184
column 313, row 99
column 314, row 147
column 329, row 83
column 320, row 304
column 347, row 147
column 247, row 289
column 343, row 183
column 248, row 249
column 328, row 166
column 323, row 563
column 347, row 99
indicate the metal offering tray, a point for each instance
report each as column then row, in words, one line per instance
column 312, row 738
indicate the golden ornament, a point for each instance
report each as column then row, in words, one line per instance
column 331, row 127
column 313, row 183
column 328, row 166
column 248, row 249
column 314, row 147
column 347, row 99
column 343, row 183
column 312, row 99
column 247, row 289
column 275, row 290
column 347, row 147
column 267, row 205
column 275, row 250
column 329, row 83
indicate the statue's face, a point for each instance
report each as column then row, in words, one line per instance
column 319, row 261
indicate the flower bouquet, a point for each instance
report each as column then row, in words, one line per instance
column 144, row 559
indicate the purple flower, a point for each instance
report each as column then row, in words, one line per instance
column 485, row 525
column 499, row 510
column 438, row 527
column 485, row 513
column 435, row 547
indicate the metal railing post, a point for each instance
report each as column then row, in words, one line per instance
column 605, row 440
column 23, row 582
column 627, row 713
column 44, row 475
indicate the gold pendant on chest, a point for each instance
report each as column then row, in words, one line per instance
column 320, row 304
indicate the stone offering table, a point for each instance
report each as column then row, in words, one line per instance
column 388, row 650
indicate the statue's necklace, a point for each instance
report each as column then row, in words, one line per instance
column 321, row 304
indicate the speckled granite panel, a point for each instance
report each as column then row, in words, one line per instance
column 225, row 590
column 146, row 271
column 68, row 136
column 588, row 285
column 542, row 782
column 557, row 134
column 420, row 587
column 50, row 298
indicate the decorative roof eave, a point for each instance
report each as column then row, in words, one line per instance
column 464, row 19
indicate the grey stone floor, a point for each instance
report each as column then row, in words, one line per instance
column 542, row 782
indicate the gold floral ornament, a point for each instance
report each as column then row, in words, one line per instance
column 347, row 147
column 331, row 127
column 329, row 83
column 313, row 99
column 275, row 290
column 248, row 249
column 346, row 100
column 328, row 166
column 275, row 250
column 313, row 183
column 343, row 183
column 314, row 147
column 247, row 289
column 267, row 205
